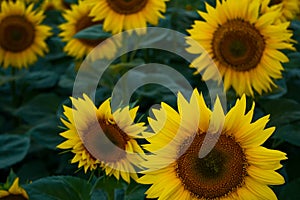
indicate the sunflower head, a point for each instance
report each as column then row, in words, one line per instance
column 78, row 19
column 125, row 15
column 244, row 43
column 101, row 138
column 236, row 165
column 22, row 36
column 14, row 191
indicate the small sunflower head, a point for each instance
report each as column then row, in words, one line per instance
column 101, row 138
column 13, row 192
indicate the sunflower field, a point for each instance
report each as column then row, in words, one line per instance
column 149, row 99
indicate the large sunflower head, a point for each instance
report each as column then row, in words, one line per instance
column 14, row 192
column 237, row 167
column 125, row 15
column 288, row 8
column 22, row 36
column 244, row 43
column 77, row 19
column 101, row 138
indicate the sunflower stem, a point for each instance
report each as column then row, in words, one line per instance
column 132, row 55
column 124, row 58
column 13, row 86
column 91, row 176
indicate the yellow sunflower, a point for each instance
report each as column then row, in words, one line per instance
column 125, row 15
column 237, row 167
column 14, row 192
column 78, row 19
column 50, row 5
column 55, row 5
column 22, row 36
column 288, row 8
column 244, row 44
column 91, row 147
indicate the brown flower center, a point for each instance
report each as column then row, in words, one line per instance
column 108, row 144
column 13, row 197
column 16, row 33
column 274, row 2
column 85, row 22
column 238, row 45
column 219, row 173
column 127, row 6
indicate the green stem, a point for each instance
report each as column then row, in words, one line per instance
column 124, row 58
column 13, row 86
column 132, row 55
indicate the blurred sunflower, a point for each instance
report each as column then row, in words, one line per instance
column 288, row 8
column 22, row 37
column 50, row 5
column 85, row 123
column 14, row 192
column 55, row 5
column 125, row 15
column 78, row 19
column 237, row 167
column 244, row 44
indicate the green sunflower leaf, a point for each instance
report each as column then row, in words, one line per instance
column 59, row 187
column 289, row 133
column 46, row 133
column 13, row 148
column 41, row 79
column 112, row 188
column 39, row 107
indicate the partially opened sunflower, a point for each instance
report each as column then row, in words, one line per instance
column 15, row 191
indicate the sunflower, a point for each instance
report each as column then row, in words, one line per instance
column 91, row 147
column 55, row 5
column 22, row 37
column 288, row 8
column 125, row 15
column 14, row 192
column 50, row 5
column 78, row 19
column 244, row 44
column 237, row 167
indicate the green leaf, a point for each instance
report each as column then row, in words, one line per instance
column 99, row 194
column 283, row 111
column 136, row 191
column 277, row 92
column 56, row 49
column 289, row 133
column 111, row 186
column 294, row 60
column 92, row 33
column 59, row 188
column 41, row 79
column 291, row 191
column 46, row 133
column 13, row 148
column 7, row 79
column 39, row 107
